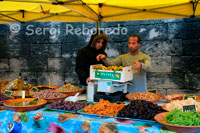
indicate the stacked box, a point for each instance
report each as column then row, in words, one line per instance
column 120, row 76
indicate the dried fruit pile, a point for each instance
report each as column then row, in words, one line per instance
column 111, row 68
column 3, row 97
column 140, row 109
column 104, row 107
column 68, row 105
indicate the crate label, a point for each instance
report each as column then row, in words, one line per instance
column 107, row 75
column 109, row 83
column 186, row 96
column 8, row 93
column 189, row 108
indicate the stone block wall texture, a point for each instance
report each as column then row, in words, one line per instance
column 43, row 50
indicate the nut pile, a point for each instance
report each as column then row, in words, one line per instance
column 147, row 96
column 68, row 88
column 179, row 103
column 48, row 93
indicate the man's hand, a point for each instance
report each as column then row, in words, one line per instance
column 101, row 57
column 137, row 65
column 87, row 80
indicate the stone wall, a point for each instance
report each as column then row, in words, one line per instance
column 48, row 50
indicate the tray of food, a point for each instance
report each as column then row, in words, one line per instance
column 172, row 97
column 147, row 96
column 139, row 109
column 25, row 104
column 3, row 84
column 13, row 83
column 50, row 95
column 179, row 103
column 18, row 94
column 179, row 121
column 2, row 108
column 67, row 106
column 70, row 90
column 3, row 98
column 102, row 108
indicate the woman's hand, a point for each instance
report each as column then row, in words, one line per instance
column 87, row 80
column 101, row 57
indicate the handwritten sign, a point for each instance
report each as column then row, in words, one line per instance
column 153, row 91
column 8, row 93
column 186, row 96
column 37, row 99
column 34, row 100
column 34, row 90
column 189, row 108
column 23, row 94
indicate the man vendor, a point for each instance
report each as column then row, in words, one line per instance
column 139, row 61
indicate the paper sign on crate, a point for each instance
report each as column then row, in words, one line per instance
column 121, row 76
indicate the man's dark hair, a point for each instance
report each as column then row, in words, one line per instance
column 135, row 36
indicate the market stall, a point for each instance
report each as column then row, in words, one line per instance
column 49, row 109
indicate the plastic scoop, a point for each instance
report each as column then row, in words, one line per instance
column 72, row 98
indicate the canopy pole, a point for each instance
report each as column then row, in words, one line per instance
column 194, row 4
column 22, row 13
column 98, row 27
column 100, row 17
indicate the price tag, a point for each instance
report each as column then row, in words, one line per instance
column 37, row 99
column 8, row 93
column 186, row 96
column 189, row 108
column 34, row 100
column 153, row 91
column 34, row 90
column 23, row 94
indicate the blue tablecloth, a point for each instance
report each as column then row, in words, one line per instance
column 17, row 122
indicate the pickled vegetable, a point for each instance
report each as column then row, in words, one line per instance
column 177, row 117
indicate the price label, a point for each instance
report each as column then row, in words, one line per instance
column 8, row 93
column 34, row 100
column 153, row 91
column 34, row 90
column 186, row 96
column 189, row 108
column 37, row 99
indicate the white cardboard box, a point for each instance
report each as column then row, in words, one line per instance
column 111, row 86
column 121, row 76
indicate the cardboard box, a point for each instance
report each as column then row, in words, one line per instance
column 121, row 76
column 111, row 86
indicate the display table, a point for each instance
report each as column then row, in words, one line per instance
column 58, row 122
